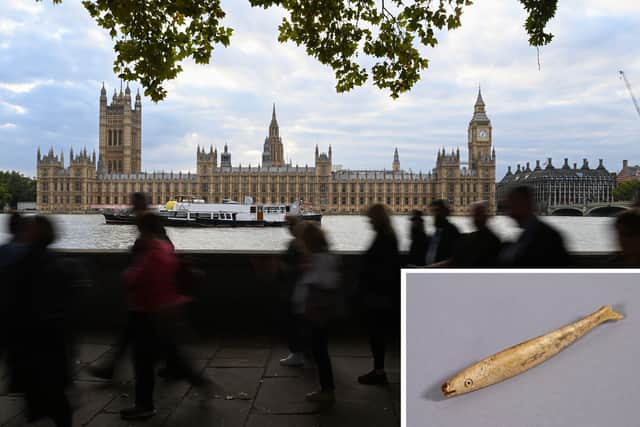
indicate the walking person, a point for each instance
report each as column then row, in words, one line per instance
column 289, row 273
column 379, row 290
column 627, row 228
column 417, row 255
column 539, row 244
column 481, row 247
column 152, row 296
column 10, row 254
column 317, row 297
column 40, row 343
column 107, row 368
column 444, row 239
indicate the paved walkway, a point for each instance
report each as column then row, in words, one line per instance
column 252, row 390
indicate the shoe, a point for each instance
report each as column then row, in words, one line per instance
column 137, row 413
column 321, row 396
column 373, row 378
column 293, row 360
column 105, row 373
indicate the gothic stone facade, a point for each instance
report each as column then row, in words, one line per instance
column 86, row 183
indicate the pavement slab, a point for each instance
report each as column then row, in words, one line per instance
column 10, row 406
column 274, row 369
column 285, row 396
column 240, row 358
column 236, row 383
column 218, row 413
column 259, row 420
column 113, row 420
column 360, row 413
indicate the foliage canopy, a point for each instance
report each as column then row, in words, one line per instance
column 153, row 37
column 626, row 190
column 14, row 188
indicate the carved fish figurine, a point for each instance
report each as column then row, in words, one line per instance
column 524, row 356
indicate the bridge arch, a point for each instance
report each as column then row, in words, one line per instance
column 610, row 210
column 567, row 211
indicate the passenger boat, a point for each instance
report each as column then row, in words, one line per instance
column 189, row 212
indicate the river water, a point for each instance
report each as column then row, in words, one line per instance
column 346, row 233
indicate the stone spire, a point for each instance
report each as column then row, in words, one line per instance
column 274, row 129
column 396, row 161
column 479, row 113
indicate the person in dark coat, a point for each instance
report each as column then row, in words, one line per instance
column 444, row 239
column 479, row 248
column 289, row 273
column 419, row 240
column 10, row 254
column 539, row 244
column 39, row 347
column 627, row 228
column 379, row 290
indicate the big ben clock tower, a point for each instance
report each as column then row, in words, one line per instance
column 479, row 135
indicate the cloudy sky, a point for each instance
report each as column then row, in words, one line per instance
column 53, row 60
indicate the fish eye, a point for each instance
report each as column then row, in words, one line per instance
column 468, row 382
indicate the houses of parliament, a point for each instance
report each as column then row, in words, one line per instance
column 87, row 183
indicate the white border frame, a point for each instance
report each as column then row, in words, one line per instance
column 477, row 271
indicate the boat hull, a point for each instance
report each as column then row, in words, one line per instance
column 115, row 219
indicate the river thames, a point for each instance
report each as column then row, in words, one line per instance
column 346, row 233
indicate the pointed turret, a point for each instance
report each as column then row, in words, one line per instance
column 138, row 101
column 479, row 100
column 395, row 166
column 479, row 113
column 330, row 154
column 38, row 154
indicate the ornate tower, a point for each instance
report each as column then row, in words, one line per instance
column 120, row 135
column 273, row 153
column 479, row 134
column 395, row 166
column 225, row 158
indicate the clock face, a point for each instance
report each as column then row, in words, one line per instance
column 483, row 133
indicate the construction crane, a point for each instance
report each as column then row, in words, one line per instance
column 633, row 98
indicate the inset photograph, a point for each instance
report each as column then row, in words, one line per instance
column 520, row 348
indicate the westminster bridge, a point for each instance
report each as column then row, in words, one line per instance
column 588, row 209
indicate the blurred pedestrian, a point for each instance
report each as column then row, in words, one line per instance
column 379, row 290
column 153, row 300
column 481, row 247
column 627, row 227
column 289, row 273
column 107, row 367
column 445, row 237
column 10, row 254
column 316, row 297
column 539, row 244
column 417, row 255
column 40, row 341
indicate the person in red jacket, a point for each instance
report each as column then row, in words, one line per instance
column 152, row 297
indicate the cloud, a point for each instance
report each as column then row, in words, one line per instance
column 23, row 87
column 17, row 109
column 7, row 126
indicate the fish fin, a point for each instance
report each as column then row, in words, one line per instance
column 608, row 313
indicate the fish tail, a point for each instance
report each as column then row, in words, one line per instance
column 606, row 312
